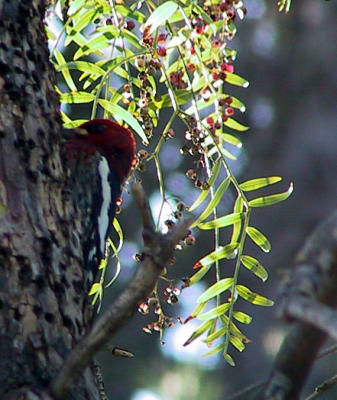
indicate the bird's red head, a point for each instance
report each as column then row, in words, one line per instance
column 108, row 138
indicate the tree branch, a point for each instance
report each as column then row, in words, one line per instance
column 309, row 298
column 158, row 252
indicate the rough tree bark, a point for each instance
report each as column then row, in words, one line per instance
column 41, row 289
column 45, row 343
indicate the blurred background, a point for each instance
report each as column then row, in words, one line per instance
column 290, row 62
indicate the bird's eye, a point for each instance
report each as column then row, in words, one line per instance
column 95, row 128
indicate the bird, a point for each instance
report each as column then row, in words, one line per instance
column 102, row 154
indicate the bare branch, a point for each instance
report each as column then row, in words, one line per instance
column 309, row 299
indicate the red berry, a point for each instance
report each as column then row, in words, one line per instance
column 216, row 43
column 229, row 111
column 230, row 68
column 210, row 121
column 228, row 100
column 215, row 75
column 191, row 67
column 130, row 25
column 161, row 51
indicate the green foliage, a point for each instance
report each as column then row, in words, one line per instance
column 139, row 62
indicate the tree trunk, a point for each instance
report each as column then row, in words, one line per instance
column 42, row 294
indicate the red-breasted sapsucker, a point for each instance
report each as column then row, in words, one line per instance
column 102, row 153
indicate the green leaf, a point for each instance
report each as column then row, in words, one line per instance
column 271, row 199
column 253, row 265
column 252, row 297
column 238, row 208
column 242, row 317
column 237, row 80
column 214, row 202
column 237, row 343
column 132, row 39
column 95, row 288
column 119, row 232
column 76, row 98
column 198, row 310
column 96, row 44
column 182, row 96
column 231, row 123
column 128, row 12
column 119, row 112
column 229, row 360
column 161, row 15
column 222, row 221
column 215, row 335
column 231, row 140
column 83, row 66
column 259, row 183
column 216, row 350
column 198, row 332
column 220, row 253
column 65, row 71
column 199, row 274
column 214, row 290
column 204, row 193
column 75, row 6
column 214, row 312
column 81, row 21
column 259, row 238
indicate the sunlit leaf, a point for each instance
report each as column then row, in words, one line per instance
column 237, row 80
column 252, row 297
column 231, row 140
column 75, row 6
column 259, row 238
column 198, row 275
column 182, row 97
column 65, row 71
column 132, row 39
column 214, row 202
column 119, row 232
column 229, row 360
column 198, row 332
column 128, row 12
column 84, row 66
column 161, row 15
column 198, row 309
column 119, row 112
column 214, row 290
column 221, row 222
column 237, row 343
column 271, row 199
column 231, row 123
column 77, row 97
column 238, row 208
column 216, row 350
column 97, row 44
column 216, row 335
column 214, row 312
column 220, row 253
column 259, row 183
column 253, row 265
column 242, row 317
column 95, row 288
